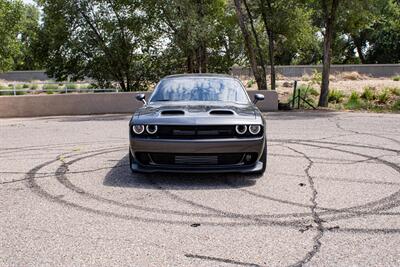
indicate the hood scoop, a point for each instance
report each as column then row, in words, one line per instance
column 221, row 112
column 172, row 112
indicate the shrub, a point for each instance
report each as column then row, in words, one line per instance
column 396, row 105
column 353, row 75
column 396, row 78
column 249, row 84
column 25, row 86
column 72, row 86
column 335, row 96
column 19, row 86
column 368, row 93
column 316, row 77
column 354, row 101
column 305, row 77
column 384, row 96
column 34, row 86
column 394, row 91
column 2, row 88
column 50, row 87
column 308, row 93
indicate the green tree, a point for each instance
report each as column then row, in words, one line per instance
column 10, row 23
column 383, row 37
column 28, row 40
column 251, row 40
column 202, row 34
column 109, row 41
column 334, row 17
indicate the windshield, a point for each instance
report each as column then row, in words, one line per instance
column 200, row 89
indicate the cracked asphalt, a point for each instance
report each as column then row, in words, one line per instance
column 330, row 197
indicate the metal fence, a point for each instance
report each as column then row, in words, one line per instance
column 13, row 88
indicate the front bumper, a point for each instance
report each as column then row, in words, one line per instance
column 197, row 146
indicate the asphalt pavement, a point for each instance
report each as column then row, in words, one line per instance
column 330, row 197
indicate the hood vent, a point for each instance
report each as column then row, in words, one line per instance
column 172, row 112
column 221, row 112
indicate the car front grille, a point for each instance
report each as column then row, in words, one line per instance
column 196, row 132
column 200, row 159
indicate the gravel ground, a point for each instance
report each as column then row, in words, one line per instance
column 330, row 197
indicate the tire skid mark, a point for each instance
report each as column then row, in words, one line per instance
column 339, row 126
column 316, row 218
column 31, row 183
column 63, row 170
column 222, row 260
column 277, row 223
column 383, row 204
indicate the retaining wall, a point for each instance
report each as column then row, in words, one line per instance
column 373, row 70
column 91, row 103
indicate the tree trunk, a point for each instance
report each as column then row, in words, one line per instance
column 257, row 72
column 253, row 29
column 329, row 14
column 271, row 47
column 203, row 56
column 271, row 58
column 358, row 45
column 189, row 62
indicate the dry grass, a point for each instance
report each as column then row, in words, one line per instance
column 351, row 76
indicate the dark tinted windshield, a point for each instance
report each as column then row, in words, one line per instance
column 200, row 89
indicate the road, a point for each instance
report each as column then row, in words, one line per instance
column 330, row 197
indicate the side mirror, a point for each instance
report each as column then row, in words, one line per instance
column 141, row 97
column 258, row 97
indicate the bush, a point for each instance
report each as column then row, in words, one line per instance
column 34, row 86
column 2, row 88
column 72, row 86
column 316, row 77
column 308, row 93
column 250, row 83
column 353, row 76
column 394, row 91
column 368, row 93
column 383, row 97
column 50, row 87
column 335, row 96
column 396, row 78
column 354, row 101
column 19, row 86
column 396, row 105
column 305, row 77
column 25, row 86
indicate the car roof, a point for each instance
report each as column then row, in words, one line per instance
column 194, row 75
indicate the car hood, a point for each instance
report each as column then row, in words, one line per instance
column 195, row 113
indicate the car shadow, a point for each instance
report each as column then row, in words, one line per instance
column 121, row 176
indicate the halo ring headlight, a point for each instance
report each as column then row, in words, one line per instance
column 241, row 129
column 151, row 129
column 138, row 128
column 254, row 129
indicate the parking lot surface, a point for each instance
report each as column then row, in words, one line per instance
column 330, row 197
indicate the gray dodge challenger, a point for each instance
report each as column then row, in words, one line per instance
column 202, row 123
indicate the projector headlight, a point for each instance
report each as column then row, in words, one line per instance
column 241, row 129
column 254, row 129
column 151, row 129
column 138, row 129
